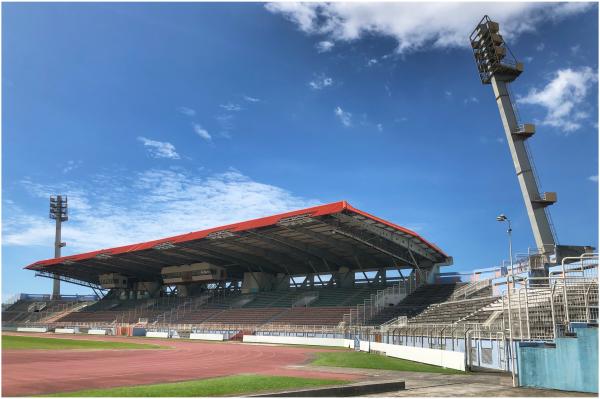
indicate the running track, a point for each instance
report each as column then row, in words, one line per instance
column 34, row 372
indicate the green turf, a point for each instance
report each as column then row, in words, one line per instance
column 23, row 342
column 364, row 360
column 232, row 385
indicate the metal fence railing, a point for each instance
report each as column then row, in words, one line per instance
column 371, row 307
column 471, row 288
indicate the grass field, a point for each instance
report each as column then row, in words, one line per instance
column 221, row 386
column 22, row 342
column 371, row 361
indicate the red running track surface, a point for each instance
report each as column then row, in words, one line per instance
column 34, row 372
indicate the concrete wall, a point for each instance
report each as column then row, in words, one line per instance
column 96, row 332
column 296, row 340
column 157, row 334
column 207, row 337
column 257, row 281
column 570, row 366
column 436, row 357
column 32, row 329
column 65, row 331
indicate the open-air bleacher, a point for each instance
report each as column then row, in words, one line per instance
column 416, row 302
column 302, row 306
column 297, row 306
column 327, row 316
column 122, row 311
column 31, row 311
column 452, row 312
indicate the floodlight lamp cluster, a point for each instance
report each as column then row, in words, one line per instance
column 59, row 208
column 492, row 56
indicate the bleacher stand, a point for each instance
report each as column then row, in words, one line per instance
column 325, row 306
column 416, row 302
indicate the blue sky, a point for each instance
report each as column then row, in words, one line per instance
column 158, row 119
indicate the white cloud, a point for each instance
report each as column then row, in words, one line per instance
column 448, row 93
column 225, row 121
column 186, row 111
column 112, row 210
column 200, row 131
column 251, row 99
column 487, row 140
column 324, row 46
column 71, row 165
column 575, row 49
column 593, row 178
column 380, row 127
column 471, row 99
column 320, row 82
column 372, row 62
column 417, row 26
column 562, row 97
column 159, row 149
column 344, row 116
column 540, row 47
column 388, row 90
column 231, row 107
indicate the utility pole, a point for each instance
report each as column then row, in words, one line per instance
column 58, row 212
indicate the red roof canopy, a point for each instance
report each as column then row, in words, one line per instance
column 314, row 212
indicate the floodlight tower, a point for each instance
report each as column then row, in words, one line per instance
column 58, row 212
column 498, row 67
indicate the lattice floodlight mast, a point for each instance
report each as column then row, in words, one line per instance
column 497, row 66
column 59, row 212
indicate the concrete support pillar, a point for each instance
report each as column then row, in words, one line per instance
column 282, row 282
column 257, row 281
column 344, row 277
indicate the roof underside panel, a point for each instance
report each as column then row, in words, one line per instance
column 321, row 239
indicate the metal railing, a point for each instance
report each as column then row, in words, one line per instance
column 471, row 288
column 372, row 306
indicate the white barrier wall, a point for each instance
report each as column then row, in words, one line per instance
column 436, row 357
column 32, row 329
column 273, row 339
column 157, row 334
column 65, row 331
column 96, row 332
column 207, row 337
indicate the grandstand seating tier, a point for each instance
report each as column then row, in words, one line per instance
column 324, row 306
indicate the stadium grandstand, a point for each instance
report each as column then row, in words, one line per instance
column 330, row 266
column 327, row 272
column 307, row 267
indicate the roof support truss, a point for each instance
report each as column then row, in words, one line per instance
column 392, row 236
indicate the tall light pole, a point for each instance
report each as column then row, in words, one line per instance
column 502, row 218
column 58, row 212
column 497, row 66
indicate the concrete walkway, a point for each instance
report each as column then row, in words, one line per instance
column 449, row 385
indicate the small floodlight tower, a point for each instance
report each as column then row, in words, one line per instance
column 58, row 212
column 497, row 66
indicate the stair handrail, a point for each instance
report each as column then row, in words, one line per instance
column 373, row 305
column 471, row 288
